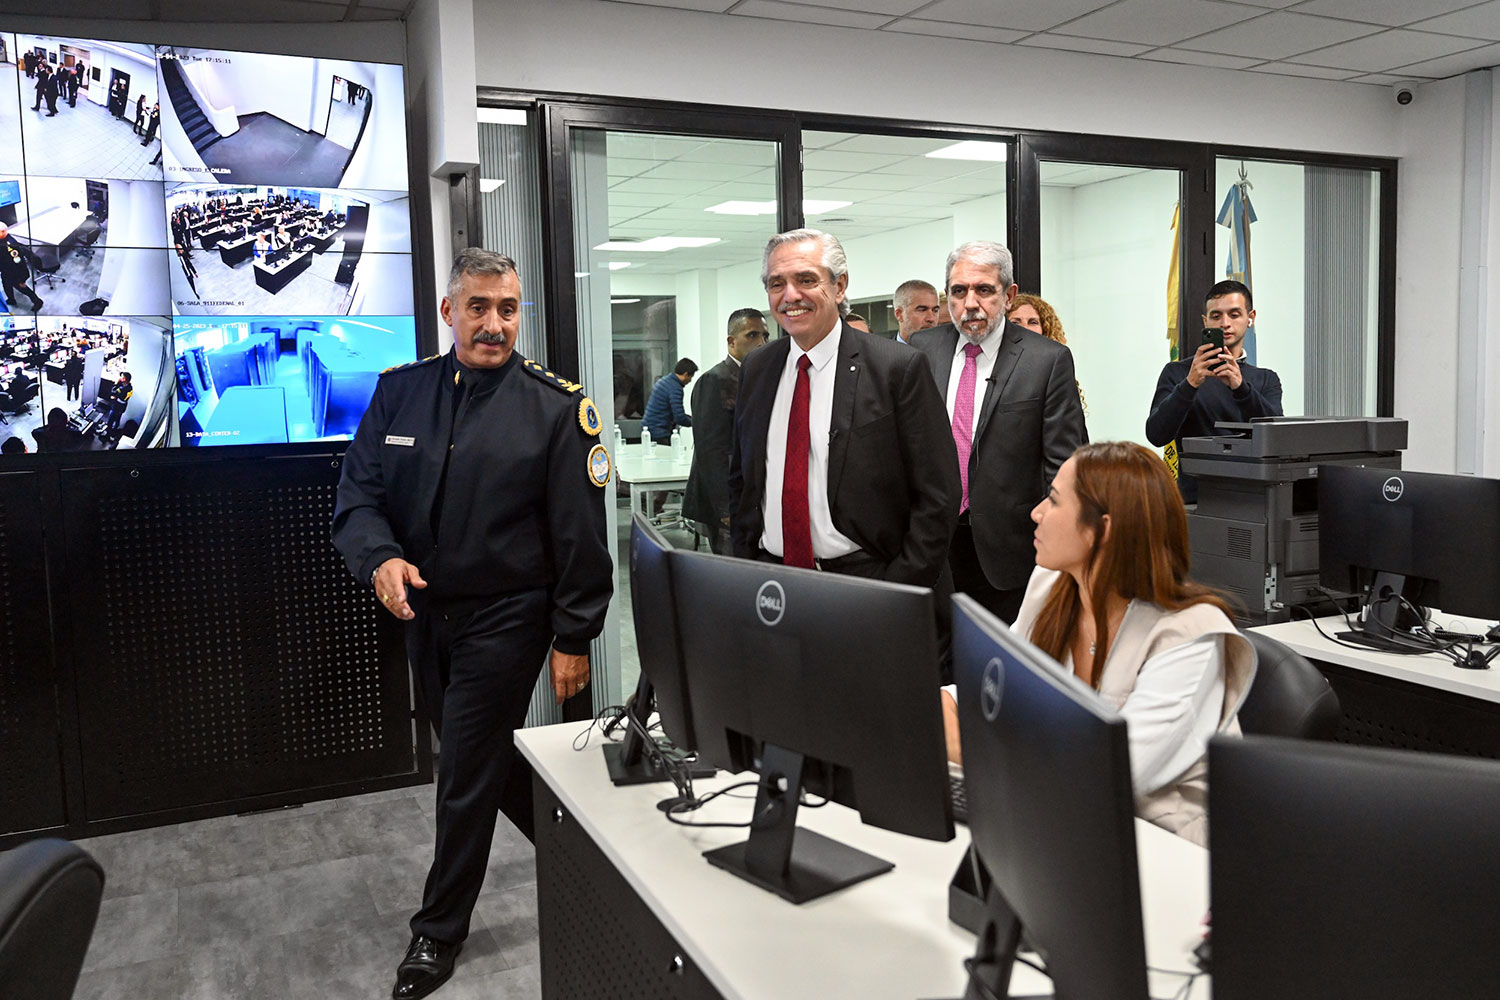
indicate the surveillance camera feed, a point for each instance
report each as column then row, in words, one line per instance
column 197, row 247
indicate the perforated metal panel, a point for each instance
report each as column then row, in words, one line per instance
column 31, row 783
column 1378, row 711
column 222, row 649
column 598, row 939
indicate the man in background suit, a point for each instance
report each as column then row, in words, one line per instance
column 706, row 500
column 842, row 456
column 1014, row 418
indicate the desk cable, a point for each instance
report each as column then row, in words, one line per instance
column 1413, row 645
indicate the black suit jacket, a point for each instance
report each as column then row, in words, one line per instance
column 707, row 496
column 893, row 484
column 1030, row 421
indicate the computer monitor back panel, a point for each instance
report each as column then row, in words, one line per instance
column 1051, row 812
column 656, row 629
column 840, row 669
column 1344, row 873
column 1441, row 532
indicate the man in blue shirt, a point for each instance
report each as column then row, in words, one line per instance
column 664, row 409
column 1213, row 385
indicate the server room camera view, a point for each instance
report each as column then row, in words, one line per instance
column 197, row 247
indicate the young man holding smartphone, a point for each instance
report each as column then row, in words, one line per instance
column 1216, row 383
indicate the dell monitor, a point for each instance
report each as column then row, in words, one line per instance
column 1407, row 541
column 661, row 684
column 1342, row 873
column 816, row 681
column 1051, row 814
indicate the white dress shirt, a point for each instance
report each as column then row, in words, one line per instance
column 828, row 543
column 989, row 348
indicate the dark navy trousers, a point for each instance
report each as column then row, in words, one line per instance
column 476, row 664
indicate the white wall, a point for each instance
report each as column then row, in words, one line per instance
column 379, row 161
column 1034, row 88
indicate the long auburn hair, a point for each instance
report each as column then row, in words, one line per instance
column 1145, row 556
column 1052, row 329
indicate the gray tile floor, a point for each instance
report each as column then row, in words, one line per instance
column 300, row 903
column 82, row 141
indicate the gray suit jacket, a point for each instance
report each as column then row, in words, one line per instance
column 1030, row 421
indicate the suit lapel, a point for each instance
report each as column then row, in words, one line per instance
column 1005, row 366
column 845, row 387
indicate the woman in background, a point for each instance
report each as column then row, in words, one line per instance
column 1033, row 313
column 1110, row 600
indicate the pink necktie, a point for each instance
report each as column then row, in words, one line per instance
column 963, row 417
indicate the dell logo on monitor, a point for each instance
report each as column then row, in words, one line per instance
column 990, row 686
column 1393, row 489
column 770, row 602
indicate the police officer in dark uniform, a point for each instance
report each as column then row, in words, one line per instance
column 472, row 499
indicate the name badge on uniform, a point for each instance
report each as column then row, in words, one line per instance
column 405, row 442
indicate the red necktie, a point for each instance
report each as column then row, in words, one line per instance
column 963, row 417
column 796, row 522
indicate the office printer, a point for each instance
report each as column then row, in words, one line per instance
column 1254, row 532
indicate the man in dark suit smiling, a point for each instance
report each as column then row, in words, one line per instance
column 1014, row 415
column 842, row 457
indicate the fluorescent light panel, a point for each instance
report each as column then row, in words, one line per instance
column 622, row 302
column 502, row 116
column 971, row 149
column 810, row 206
column 488, row 184
column 657, row 244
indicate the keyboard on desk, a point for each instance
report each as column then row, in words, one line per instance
column 958, row 794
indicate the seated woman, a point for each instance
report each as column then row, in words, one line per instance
column 1110, row 600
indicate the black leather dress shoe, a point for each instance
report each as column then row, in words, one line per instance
column 427, row 965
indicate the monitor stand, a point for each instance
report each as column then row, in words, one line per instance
column 796, row 864
column 1384, row 620
column 628, row 761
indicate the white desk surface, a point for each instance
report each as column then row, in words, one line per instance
column 888, row 936
column 1427, row 669
column 633, row 465
column 53, row 226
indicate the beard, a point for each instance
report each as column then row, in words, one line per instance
column 977, row 315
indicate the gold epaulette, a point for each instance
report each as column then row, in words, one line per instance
column 410, row 364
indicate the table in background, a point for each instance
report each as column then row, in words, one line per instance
column 647, row 476
column 273, row 278
column 1420, row 702
column 623, row 897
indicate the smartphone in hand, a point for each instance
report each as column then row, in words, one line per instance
column 1213, row 335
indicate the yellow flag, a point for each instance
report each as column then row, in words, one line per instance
column 1174, row 309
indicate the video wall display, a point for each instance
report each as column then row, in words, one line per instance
column 197, row 246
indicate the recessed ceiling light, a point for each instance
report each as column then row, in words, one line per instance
column 580, row 274
column 657, row 244
column 810, row 206
column 972, row 149
column 488, row 184
column 619, row 265
column 622, row 302
column 502, row 116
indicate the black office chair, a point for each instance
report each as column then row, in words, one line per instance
column 1289, row 697
column 48, row 260
column 88, row 234
column 49, row 902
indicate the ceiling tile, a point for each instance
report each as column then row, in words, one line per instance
column 706, row 5
column 1436, row 69
column 1482, row 21
column 1309, row 72
column 866, row 182
column 1379, row 79
column 684, row 170
column 1189, row 57
column 1158, row 22
column 949, row 29
column 1028, row 15
column 900, row 145
column 832, row 159
column 891, row 8
column 809, row 15
column 1390, row 12
column 1278, row 35
column 1103, row 46
column 1382, row 52
column 748, row 153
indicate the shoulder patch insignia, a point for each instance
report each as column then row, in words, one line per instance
column 588, row 417
column 552, row 379
column 410, row 364
column 599, row 465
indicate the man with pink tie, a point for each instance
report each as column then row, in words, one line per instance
column 1015, row 419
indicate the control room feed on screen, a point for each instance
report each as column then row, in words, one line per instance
column 198, row 246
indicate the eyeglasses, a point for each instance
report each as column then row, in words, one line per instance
column 962, row 291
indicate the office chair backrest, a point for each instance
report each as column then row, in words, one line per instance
column 49, row 901
column 1289, row 696
column 47, row 259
